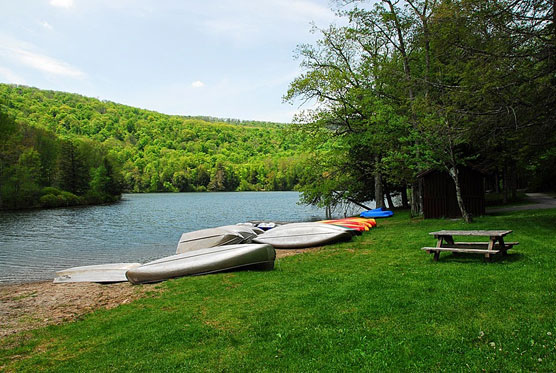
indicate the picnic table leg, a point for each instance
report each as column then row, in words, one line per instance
column 439, row 244
column 503, row 247
column 490, row 247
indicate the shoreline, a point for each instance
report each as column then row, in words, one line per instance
column 32, row 305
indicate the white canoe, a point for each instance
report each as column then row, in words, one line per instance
column 204, row 238
column 114, row 272
column 300, row 235
column 202, row 261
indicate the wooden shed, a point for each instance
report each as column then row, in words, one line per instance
column 439, row 193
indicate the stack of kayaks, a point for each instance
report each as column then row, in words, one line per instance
column 358, row 224
column 376, row 213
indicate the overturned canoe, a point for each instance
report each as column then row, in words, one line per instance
column 246, row 232
column 113, row 272
column 202, row 261
column 300, row 235
column 205, row 238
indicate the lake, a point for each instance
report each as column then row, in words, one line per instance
column 142, row 227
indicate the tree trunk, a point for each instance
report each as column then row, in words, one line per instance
column 455, row 176
column 505, row 183
column 405, row 203
column 379, row 195
column 416, row 199
column 514, row 181
column 388, row 197
column 496, row 181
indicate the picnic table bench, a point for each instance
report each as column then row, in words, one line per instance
column 445, row 242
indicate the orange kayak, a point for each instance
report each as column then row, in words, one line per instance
column 355, row 223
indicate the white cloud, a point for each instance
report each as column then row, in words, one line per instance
column 24, row 53
column 46, row 25
column 197, row 84
column 46, row 64
column 11, row 77
column 62, row 3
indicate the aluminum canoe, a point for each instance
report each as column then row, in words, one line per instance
column 205, row 238
column 202, row 261
column 300, row 235
column 113, row 272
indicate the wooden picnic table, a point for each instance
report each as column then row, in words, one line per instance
column 445, row 242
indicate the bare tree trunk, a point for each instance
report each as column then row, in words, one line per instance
column 496, row 181
column 455, row 176
column 505, row 183
column 514, row 181
column 388, row 197
column 379, row 195
column 416, row 199
column 405, row 203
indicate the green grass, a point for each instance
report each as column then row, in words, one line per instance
column 377, row 303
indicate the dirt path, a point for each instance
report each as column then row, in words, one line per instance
column 537, row 201
column 37, row 304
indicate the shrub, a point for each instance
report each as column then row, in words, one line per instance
column 70, row 199
column 50, row 200
column 50, row 190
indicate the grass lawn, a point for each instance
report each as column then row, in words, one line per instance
column 377, row 303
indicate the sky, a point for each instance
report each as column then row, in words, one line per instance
column 221, row 58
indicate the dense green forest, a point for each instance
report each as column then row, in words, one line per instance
column 145, row 151
column 38, row 168
column 407, row 86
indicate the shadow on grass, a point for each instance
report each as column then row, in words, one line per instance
column 474, row 258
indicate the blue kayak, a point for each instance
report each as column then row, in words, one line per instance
column 376, row 213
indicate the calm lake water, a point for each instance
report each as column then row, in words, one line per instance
column 142, row 227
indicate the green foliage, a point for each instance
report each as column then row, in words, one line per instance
column 407, row 86
column 155, row 152
column 38, row 169
column 377, row 303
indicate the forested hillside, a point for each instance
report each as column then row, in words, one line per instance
column 38, row 168
column 156, row 152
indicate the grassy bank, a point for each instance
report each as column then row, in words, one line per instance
column 376, row 303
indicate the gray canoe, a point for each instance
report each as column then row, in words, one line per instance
column 113, row 272
column 205, row 238
column 248, row 233
column 202, row 261
column 300, row 235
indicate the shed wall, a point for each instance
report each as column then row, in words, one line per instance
column 439, row 194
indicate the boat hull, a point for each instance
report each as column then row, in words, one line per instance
column 301, row 235
column 203, row 261
column 206, row 238
column 102, row 273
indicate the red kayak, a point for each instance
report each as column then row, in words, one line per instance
column 354, row 223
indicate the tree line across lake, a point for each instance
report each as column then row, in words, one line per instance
column 59, row 149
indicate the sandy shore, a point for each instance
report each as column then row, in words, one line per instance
column 33, row 305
